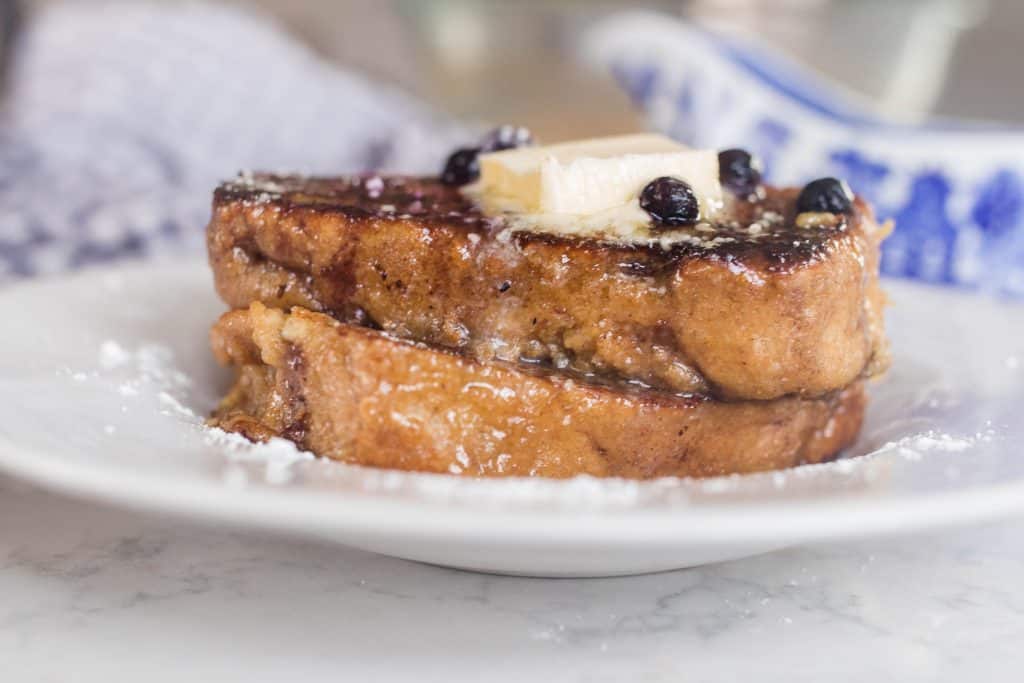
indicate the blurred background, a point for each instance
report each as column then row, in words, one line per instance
column 514, row 60
column 117, row 118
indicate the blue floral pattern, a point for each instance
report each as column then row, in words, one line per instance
column 955, row 192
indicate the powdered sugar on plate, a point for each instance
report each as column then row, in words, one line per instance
column 148, row 375
column 278, row 456
column 149, row 372
column 942, row 444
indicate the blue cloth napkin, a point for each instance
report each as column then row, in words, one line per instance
column 120, row 120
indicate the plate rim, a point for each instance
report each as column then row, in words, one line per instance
column 284, row 509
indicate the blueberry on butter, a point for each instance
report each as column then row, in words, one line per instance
column 825, row 195
column 670, row 201
column 739, row 171
column 506, row 137
column 462, row 167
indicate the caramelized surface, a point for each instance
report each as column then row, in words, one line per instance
column 738, row 313
column 358, row 395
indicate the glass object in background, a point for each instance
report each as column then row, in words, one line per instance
column 895, row 53
column 516, row 62
column 498, row 61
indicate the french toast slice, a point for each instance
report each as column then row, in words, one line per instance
column 760, row 308
column 362, row 396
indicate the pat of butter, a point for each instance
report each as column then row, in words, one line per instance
column 593, row 176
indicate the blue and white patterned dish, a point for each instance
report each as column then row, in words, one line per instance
column 955, row 191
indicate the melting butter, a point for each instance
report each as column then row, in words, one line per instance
column 591, row 188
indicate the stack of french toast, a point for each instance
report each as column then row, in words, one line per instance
column 620, row 306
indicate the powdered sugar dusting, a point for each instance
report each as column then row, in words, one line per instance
column 172, row 406
column 112, row 355
column 278, row 456
column 918, row 446
column 148, row 375
column 150, row 372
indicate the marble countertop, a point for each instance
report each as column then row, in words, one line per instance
column 98, row 594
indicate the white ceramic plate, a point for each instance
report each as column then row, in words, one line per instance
column 104, row 377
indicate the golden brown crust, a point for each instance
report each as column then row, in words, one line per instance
column 358, row 395
column 789, row 311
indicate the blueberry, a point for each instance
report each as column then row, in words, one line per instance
column 462, row 167
column 670, row 201
column 739, row 171
column 825, row 195
column 506, row 137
